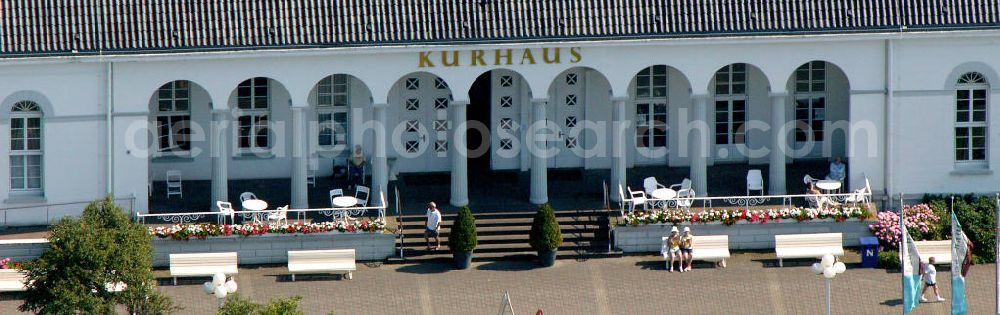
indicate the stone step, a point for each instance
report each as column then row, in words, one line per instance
column 530, row 255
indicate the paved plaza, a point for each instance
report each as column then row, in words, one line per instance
column 752, row 284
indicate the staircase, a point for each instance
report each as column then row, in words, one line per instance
column 504, row 236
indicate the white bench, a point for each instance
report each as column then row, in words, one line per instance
column 322, row 261
column 13, row 280
column 714, row 248
column 202, row 264
column 807, row 245
column 940, row 250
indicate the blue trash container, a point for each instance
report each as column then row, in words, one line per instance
column 869, row 252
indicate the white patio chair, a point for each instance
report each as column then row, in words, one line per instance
column 755, row 181
column 650, row 184
column 362, row 191
column 311, row 173
column 637, row 197
column 174, row 183
column 685, row 184
column 281, row 214
column 858, row 196
column 808, row 180
column 247, row 196
column 225, row 209
column 815, row 201
column 624, row 200
column 334, row 193
column 685, row 198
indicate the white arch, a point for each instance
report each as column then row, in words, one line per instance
column 986, row 70
column 27, row 95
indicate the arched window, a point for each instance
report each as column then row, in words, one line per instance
column 333, row 103
column 810, row 100
column 253, row 110
column 651, row 108
column 731, row 104
column 173, row 117
column 971, row 97
column 26, row 147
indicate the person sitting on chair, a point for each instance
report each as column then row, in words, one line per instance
column 821, row 199
column 357, row 167
column 838, row 170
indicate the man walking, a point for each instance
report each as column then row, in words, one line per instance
column 433, row 225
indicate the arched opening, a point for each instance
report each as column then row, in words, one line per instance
column 739, row 95
column 418, row 125
column 657, row 93
column 339, row 104
column 180, row 118
column 818, row 114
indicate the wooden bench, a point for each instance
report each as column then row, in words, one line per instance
column 940, row 250
column 202, row 264
column 322, row 261
column 807, row 245
column 13, row 280
column 714, row 248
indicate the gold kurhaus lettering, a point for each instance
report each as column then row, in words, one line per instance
column 454, row 58
column 545, row 55
column 496, row 56
column 425, row 60
column 526, row 55
column 477, row 57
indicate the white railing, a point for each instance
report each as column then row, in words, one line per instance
column 743, row 201
column 33, row 210
column 333, row 213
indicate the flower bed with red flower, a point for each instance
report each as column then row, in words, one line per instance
column 203, row 230
column 733, row 216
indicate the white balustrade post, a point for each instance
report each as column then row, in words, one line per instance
column 459, row 156
column 618, row 155
column 220, row 156
column 380, row 167
column 539, row 160
column 776, row 173
column 300, row 191
column 699, row 145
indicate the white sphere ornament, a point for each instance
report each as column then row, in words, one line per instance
column 827, row 261
column 220, row 292
column 208, row 287
column 817, row 268
column 829, row 273
column 839, row 267
column 231, row 285
column 218, row 279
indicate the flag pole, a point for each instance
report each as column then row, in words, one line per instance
column 998, row 251
column 902, row 248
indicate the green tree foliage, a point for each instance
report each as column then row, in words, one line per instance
column 978, row 218
column 102, row 247
column 545, row 233
column 462, row 237
column 237, row 305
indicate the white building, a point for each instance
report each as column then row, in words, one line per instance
column 104, row 97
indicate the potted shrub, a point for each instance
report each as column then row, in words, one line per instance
column 545, row 237
column 462, row 238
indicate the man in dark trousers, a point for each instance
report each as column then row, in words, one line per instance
column 433, row 227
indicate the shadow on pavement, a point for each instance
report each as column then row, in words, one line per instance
column 893, row 302
column 426, row 268
column 510, row 265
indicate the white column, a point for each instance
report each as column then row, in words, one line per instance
column 698, row 147
column 380, row 167
column 220, row 156
column 300, row 191
column 618, row 158
column 459, row 156
column 778, row 143
column 539, row 162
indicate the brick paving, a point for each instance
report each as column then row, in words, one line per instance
column 630, row 285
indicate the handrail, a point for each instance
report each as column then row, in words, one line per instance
column 399, row 224
column 48, row 206
column 182, row 217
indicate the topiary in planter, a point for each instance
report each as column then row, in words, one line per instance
column 462, row 238
column 545, row 237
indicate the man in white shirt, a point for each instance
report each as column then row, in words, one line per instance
column 838, row 170
column 433, row 225
column 930, row 280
